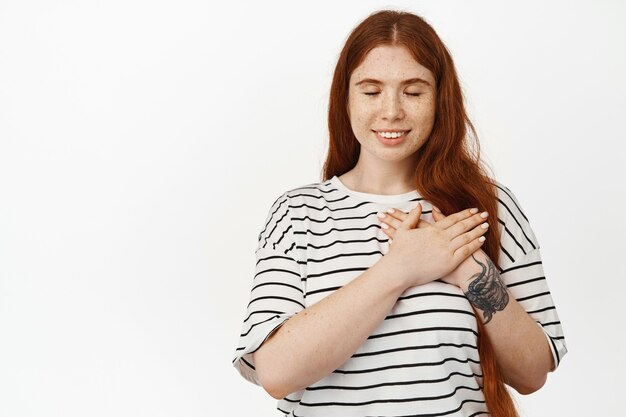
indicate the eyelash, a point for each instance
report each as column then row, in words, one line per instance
column 408, row 94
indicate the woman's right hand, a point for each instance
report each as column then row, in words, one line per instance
column 423, row 252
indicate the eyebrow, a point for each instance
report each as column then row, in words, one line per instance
column 405, row 82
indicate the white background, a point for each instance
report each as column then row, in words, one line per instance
column 142, row 143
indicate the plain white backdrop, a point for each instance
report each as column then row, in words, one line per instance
column 142, row 143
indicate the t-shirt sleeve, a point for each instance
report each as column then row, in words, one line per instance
column 277, row 290
column 522, row 271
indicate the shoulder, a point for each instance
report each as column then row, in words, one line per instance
column 291, row 202
column 517, row 237
column 311, row 195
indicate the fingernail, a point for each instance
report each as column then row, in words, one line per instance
column 484, row 225
column 381, row 215
column 481, row 239
column 474, row 210
column 384, row 226
column 484, row 214
column 390, row 210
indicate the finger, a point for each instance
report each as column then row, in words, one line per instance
column 470, row 236
column 412, row 218
column 389, row 231
column 456, row 217
column 437, row 214
column 465, row 251
column 464, row 225
column 389, row 218
column 394, row 217
column 398, row 214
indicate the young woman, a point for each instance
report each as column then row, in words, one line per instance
column 368, row 300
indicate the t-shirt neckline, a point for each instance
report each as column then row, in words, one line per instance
column 376, row 198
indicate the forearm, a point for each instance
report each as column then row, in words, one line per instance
column 520, row 345
column 317, row 340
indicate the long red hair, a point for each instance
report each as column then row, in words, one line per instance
column 448, row 169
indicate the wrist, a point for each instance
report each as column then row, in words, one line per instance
column 393, row 272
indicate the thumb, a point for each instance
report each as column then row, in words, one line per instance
column 410, row 222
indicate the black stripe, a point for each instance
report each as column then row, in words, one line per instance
column 321, row 290
column 343, row 241
column 273, row 213
column 314, row 186
column 276, row 270
column 541, row 310
column 427, row 294
column 444, row 413
column 528, row 281
column 281, row 236
column 274, row 228
column 391, row 384
column 376, row 252
column 513, row 200
column 402, row 349
column 248, row 363
column 551, row 323
column 278, row 283
column 263, row 311
column 337, row 271
column 290, row 248
column 506, row 253
column 521, row 266
column 318, row 197
column 518, row 223
column 274, row 257
column 532, row 296
column 429, row 311
column 506, row 229
column 336, row 209
column 390, row 400
column 349, row 229
column 274, row 297
column 556, row 351
column 404, row 365
column 256, row 324
column 332, row 218
column 426, row 329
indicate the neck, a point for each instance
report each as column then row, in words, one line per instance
column 388, row 178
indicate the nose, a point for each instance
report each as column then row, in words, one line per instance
column 392, row 107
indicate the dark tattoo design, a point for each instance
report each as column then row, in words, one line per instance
column 487, row 291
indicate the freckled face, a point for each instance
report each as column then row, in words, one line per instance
column 391, row 103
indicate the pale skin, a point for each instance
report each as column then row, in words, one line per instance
column 391, row 93
column 521, row 347
column 317, row 340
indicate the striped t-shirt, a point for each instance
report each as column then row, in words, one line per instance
column 422, row 360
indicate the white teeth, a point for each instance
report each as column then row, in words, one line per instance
column 391, row 135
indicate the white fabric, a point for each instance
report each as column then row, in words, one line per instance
column 422, row 359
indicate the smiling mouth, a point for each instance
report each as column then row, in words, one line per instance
column 391, row 134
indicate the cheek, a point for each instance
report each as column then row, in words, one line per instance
column 358, row 116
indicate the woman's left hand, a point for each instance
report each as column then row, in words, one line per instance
column 462, row 274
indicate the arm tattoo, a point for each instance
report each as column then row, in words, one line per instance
column 487, row 291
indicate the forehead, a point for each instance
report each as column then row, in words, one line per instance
column 390, row 64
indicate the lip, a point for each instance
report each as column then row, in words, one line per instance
column 389, row 141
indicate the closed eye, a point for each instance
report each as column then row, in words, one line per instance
column 371, row 94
